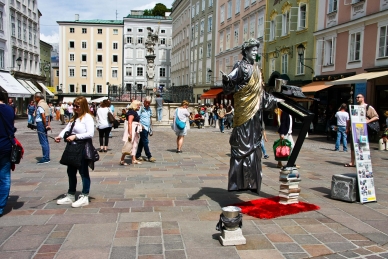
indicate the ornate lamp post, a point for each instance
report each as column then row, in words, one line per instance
column 300, row 50
column 107, row 83
column 19, row 62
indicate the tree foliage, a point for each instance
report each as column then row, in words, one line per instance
column 159, row 10
column 148, row 12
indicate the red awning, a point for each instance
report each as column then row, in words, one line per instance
column 212, row 93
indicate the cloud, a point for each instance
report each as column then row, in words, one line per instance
column 53, row 38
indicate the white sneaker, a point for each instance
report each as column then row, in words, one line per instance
column 68, row 199
column 83, row 200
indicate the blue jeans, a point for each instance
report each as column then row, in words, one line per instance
column 143, row 143
column 43, row 140
column 5, row 179
column 341, row 133
column 31, row 119
column 263, row 147
column 221, row 121
column 84, row 173
column 160, row 113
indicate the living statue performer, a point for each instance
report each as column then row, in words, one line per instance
column 250, row 99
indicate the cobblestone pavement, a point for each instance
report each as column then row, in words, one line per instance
column 169, row 209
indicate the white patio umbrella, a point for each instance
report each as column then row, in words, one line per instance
column 98, row 100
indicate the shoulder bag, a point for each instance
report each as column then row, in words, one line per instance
column 72, row 155
column 179, row 124
column 111, row 118
column 374, row 126
column 282, row 149
column 17, row 149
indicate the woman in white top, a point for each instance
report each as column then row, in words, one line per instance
column 183, row 114
column 83, row 130
column 103, row 125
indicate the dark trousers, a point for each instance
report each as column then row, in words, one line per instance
column 84, row 173
column 143, row 143
column 104, row 133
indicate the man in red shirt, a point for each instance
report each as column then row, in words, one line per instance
column 199, row 120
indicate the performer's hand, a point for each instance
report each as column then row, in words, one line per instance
column 281, row 136
column 224, row 76
column 280, row 100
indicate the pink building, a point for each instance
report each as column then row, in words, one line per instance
column 352, row 47
column 237, row 21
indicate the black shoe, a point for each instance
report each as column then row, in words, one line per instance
column 179, row 151
column 100, row 150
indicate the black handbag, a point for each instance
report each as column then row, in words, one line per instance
column 73, row 153
column 111, row 118
column 373, row 127
column 16, row 151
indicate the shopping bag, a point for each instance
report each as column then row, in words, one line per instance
column 282, row 149
column 127, row 148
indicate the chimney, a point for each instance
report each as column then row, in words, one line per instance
column 77, row 17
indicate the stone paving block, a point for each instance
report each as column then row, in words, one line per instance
column 23, row 242
column 288, row 248
column 172, row 238
column 173, row 246
column 54, row 241
column 49, row 249
column 225, row 252
column 150, row 257
column 79, row 253
column 125, row 241
column 150, row 231
column 83, row 219
column 256, row 242
column 294, row 230
column 198, row 234
column 349, row 254
column 305, row 239
column 24, row 220
column 150, row 240
column 150, row 249
column 45, row 256
column 340, row 246
column 375, row 249
column 6, row 232
column 263, row 254
column 329, row 237
column 76, row 238
column 271, row 228
column 279, row 238
column 139, row 217
column 376, row 237
column 16, row 254
column 123, row 252
column 181, row 216
column 175, row 254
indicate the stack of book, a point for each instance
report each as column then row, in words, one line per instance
column 289, row 187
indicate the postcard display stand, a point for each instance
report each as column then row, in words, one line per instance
column 289, row 176
column 363, row 161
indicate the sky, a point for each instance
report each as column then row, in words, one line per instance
column 65, row 10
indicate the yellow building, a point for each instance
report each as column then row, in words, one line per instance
column 90, row 57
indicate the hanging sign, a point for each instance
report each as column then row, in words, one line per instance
column 363, row 160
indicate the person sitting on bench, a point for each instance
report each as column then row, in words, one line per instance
column 199, row 120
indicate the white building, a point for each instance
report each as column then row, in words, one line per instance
column 134, row 65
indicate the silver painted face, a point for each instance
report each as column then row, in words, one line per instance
column 251, row 53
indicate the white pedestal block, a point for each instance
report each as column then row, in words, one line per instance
column 232, row 237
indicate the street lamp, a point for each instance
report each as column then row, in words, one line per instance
column 107, row 83
column 210, row 75
column 19, row 62
column 300, row 50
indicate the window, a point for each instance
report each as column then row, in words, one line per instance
column 99, row 45
column 99, row 89
column 140, row 40
column 383, row 41
column 34, row 34
column 83, row 72
column 114, row 73
column 202, row 26
column 162, row 54
column 13, row 26
column 99, row 58
column 162, row 31
column 163, row 41
column 139, row 71
column 260, row 27
column 221, row 41
column 128, row 71
column 196, row 30
column 246, row 4
column 139, row 53
column 83, row 88
column 197, row 8
column 115, row 31
column 299, row 66
column 30, row 34
column 115, row 58
column 84, row 30
column 99, row 72
column 71, row 57
column 203, row 5
column 71, row 44
column 162, row 72
column 83, row 44
column 329, row 52
column 285, row 23
column 129, row 40
column 355, row 45
column 140, row 30
column 115, row 45
column 272, row 30
column 129, row 30
column 302, row 16
column 19, row 29
column 285, row 64
column 71, row 72
column 222, row 13
column 229, row 10
column 245, row 30
column 99, row 31
column 83, row 57
column 332, row 6
column 193, row 12
column 2, row 58
column 272, row 67
column 236, row 28
column 71, row 88
column 25, row 31
column 210, row 3
column 238, row 5
column 227, row 40
column 252, row 28
column 71, row 30
column 209, row 23
column 209, row 50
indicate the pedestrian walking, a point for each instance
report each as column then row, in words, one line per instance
column 221, row 112
column 52, row 111
column 57, row 112
column 31, row 108
column 13, row 105
column 264, row 138
column 145, row 114
column 215, row 114
column 342, row 122
column 7, row 115
column 70, row 110
column 229, row 116
column 62, row 112
column 112, row 110
column 250, row 98
column 82, row 132
column 103, row 125
column 132, row 131
column 42, row 126
column 159, row 106
column 182, row 114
